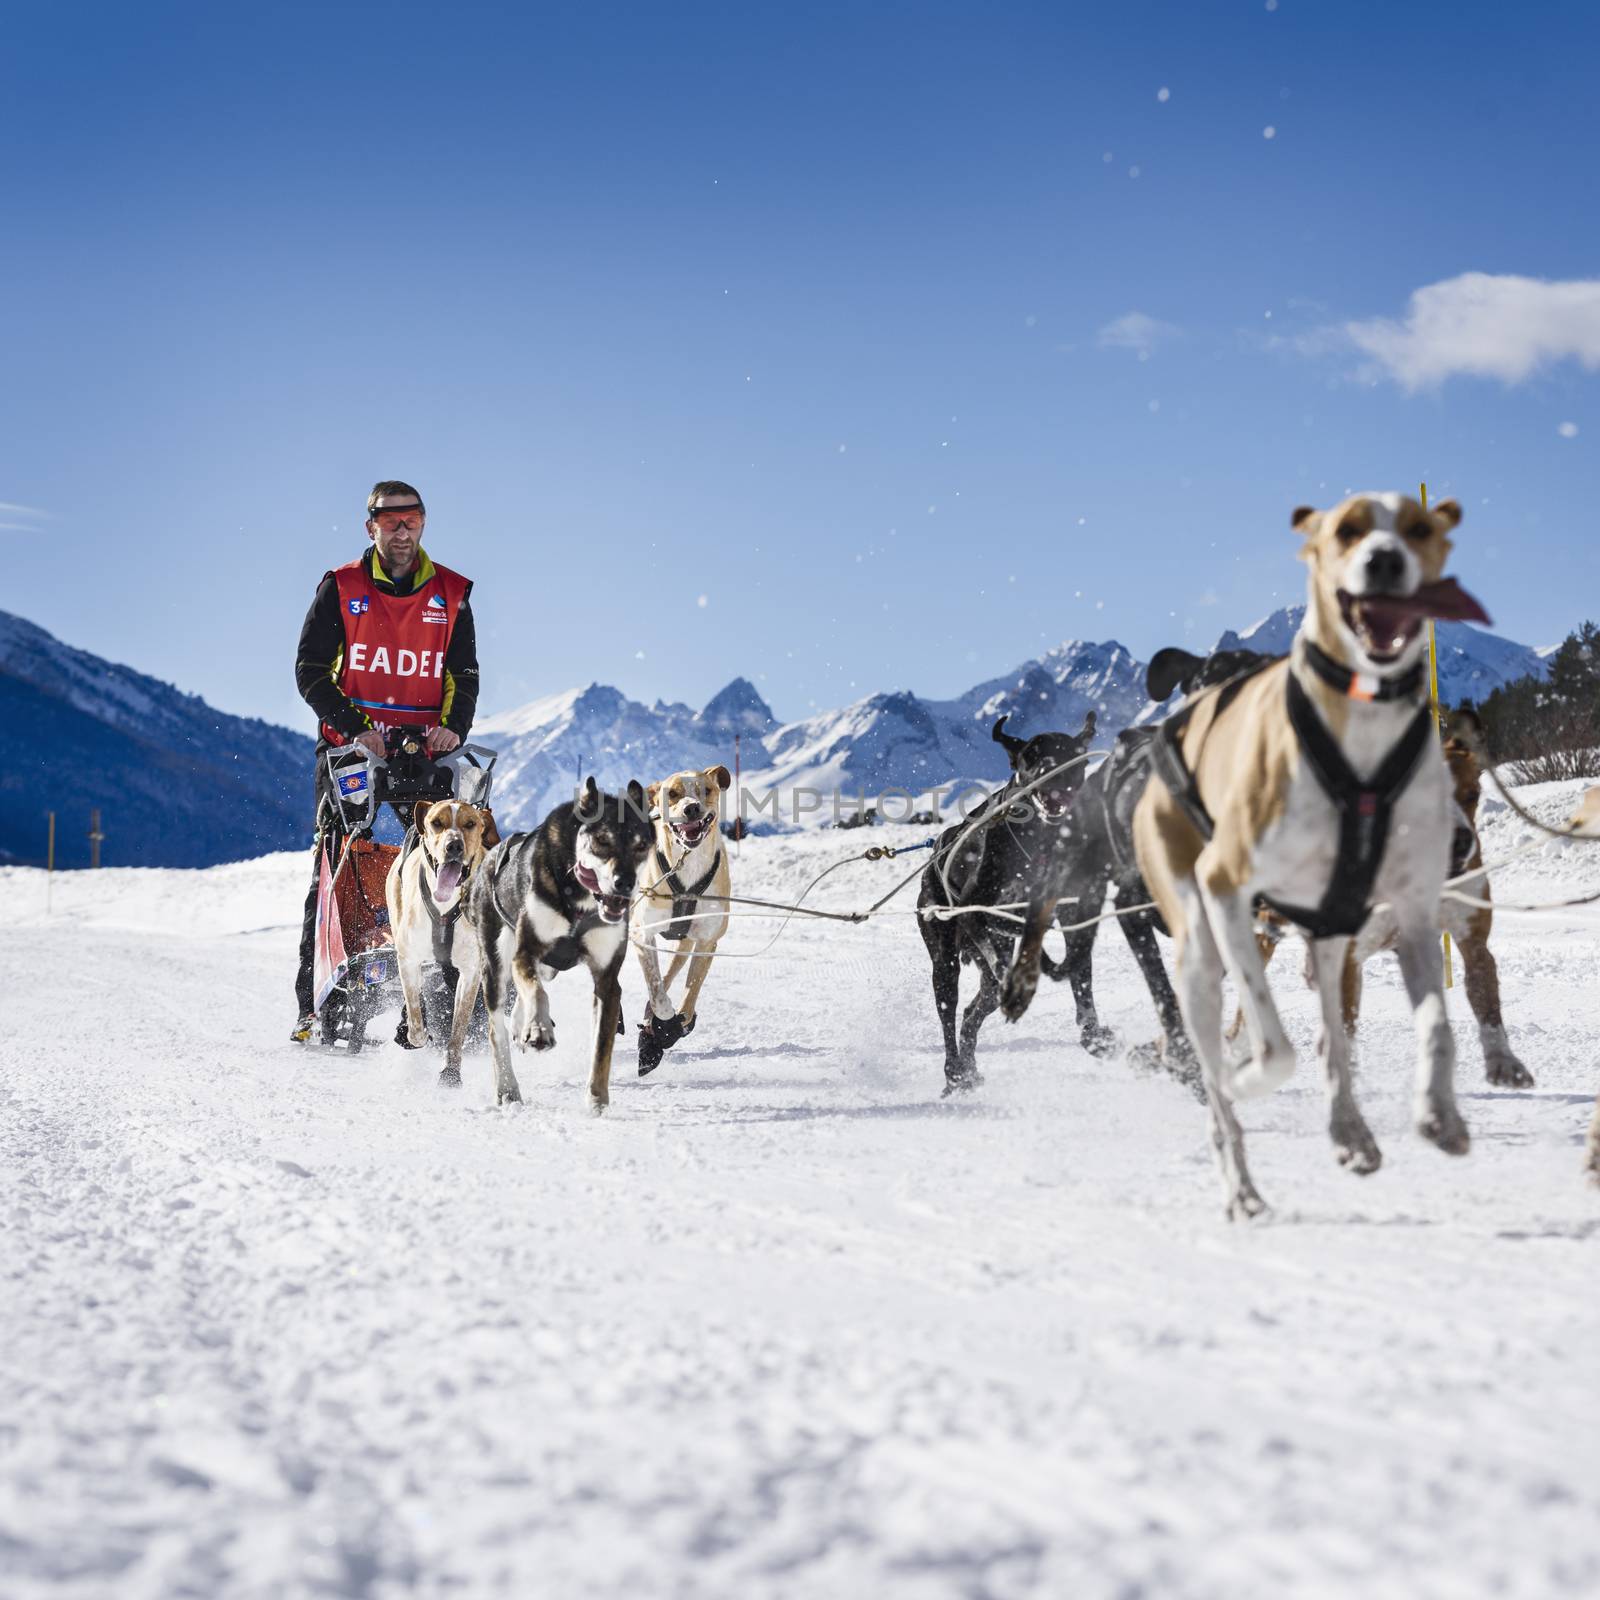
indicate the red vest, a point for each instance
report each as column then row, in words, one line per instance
column 395, row 645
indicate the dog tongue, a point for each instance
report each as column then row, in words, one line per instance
column 1449, row 602
column 1446, row 600
column 445, row 884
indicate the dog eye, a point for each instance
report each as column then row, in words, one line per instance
column 1418, row 531
column 1348, row 533
column 468, row 824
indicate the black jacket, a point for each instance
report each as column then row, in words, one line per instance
column 322, row 644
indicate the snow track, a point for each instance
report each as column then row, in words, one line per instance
column 783, row 1324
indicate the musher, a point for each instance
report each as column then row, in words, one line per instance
column 388, row 641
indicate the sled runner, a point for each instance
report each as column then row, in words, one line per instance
column 355, row 972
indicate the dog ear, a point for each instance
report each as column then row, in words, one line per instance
column 653, row 796
column 1086, row 733
column 720, row 776
column 491, row 834
column 1303, row 519
column 1168, row 668
column 636, row 797
column 1011, row 743
column 1448, row 511
column 419, row 813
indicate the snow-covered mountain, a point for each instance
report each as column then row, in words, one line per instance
column 177, row 782
column 182, row 784
column 888, row 740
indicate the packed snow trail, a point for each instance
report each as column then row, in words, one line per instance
column 783, row 1323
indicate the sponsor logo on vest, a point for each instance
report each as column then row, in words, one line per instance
column 406, row 663
column 359, row 604
column 437, row 601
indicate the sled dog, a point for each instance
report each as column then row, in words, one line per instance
column 688, row 861
column 1316, row 785
column 427, row 892
column 543, row 902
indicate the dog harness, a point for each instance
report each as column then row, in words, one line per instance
column 443, row 921
column 1365, row 806
column 684, row 899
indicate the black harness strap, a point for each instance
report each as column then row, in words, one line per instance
column 1361, row 685
column 443, row 921
column 684, row 899
column 1166, row 749
column 1364, row 811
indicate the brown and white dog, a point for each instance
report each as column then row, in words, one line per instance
column 426, row 890
column 1260, row 819
column 687, row 864
column 1468, row 926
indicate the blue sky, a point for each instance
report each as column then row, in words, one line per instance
column 913, row 338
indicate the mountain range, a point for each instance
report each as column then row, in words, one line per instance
column 182, row 784
column 177, row 782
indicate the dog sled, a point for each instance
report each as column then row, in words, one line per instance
column 356, row 974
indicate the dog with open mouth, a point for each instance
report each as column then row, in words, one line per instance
column 1010, row 860
column 426, row 891
column 689, row 864
column 543, row 902
column 1316, row 786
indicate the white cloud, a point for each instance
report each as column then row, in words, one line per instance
column 1485, row 325
column 1568, row 430
column 1136, row 332
column 20, row 519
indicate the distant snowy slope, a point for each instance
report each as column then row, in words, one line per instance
column 178, row 783
column 547, row 746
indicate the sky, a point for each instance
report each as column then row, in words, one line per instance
column 845, row 347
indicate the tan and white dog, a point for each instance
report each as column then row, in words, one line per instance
column 426, row 890
column 1317, row 786
column 687, row 865
column 1468, row 925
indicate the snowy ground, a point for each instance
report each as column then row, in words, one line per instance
column 783, row 1324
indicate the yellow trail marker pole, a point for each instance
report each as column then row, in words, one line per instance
column 1438, row 728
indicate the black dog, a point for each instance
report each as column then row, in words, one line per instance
column 1099, row 857
column 1008, row 859
column 543, row 901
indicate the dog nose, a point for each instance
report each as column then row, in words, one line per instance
column 1386, row 568
column 691, row 812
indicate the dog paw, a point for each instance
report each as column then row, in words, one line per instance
column 963, row 1082
column 1018, row 994
column 1506, row 1072
column 508, row 1095
column 450, row 1077
column 1441, row 1125
column 1357, row 1151
column 1102, row 1042
column 1244, row 1205
column 1261, row 1075
column 597, row 1106
column 529, row 1032
column 651, row 1049
column 403, row 1036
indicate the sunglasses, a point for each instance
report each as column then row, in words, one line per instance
column 393, row 521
